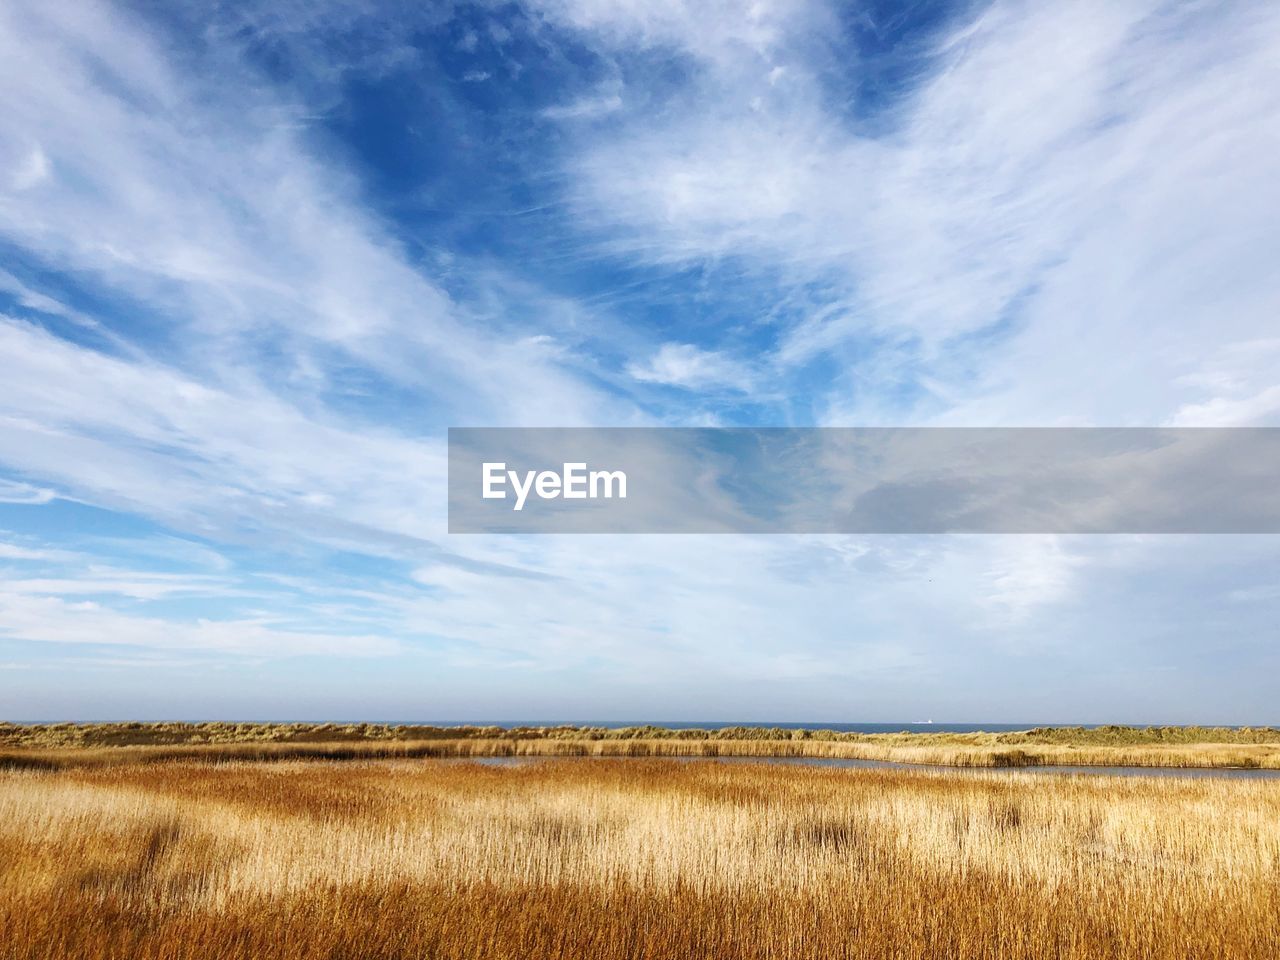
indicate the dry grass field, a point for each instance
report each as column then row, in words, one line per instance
column 62, row 745
column 652, row 858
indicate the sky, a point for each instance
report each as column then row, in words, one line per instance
column 256, row 258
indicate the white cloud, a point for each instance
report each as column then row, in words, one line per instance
column 41, row 619
column 196, row 195
column 30, row 171
column 720, row 31
column 42, row 303
column 200, row 457
column 584, row 108
column 88, row 597
column 123, row 583
column 1257, row 410
column 1096, row 177
column 1026, row 573
column 684, row 365
column 12, row 551
column 1240, row 383
column 12, row 491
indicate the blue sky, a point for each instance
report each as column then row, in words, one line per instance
column 256, row 258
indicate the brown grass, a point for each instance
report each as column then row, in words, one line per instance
column 644, row 858
column 67, row 745
column 83, row 735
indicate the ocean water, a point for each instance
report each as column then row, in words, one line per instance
column 842, row 763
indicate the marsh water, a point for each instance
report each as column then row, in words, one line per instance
column 1240, row 773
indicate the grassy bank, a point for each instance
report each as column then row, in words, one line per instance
column 623, row 860
column 215, row 732
column 63, row 745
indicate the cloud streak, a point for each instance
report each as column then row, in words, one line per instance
column 1068, row 177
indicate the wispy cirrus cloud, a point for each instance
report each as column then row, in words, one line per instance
column 14, row 551
column 13, row 491
column 212, row 209
column 688, row 366
column 197, row 455
column 1060, row 181
column 54, row 620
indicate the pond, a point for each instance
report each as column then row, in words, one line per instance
column 1241, row 773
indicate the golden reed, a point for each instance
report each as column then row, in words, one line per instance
column 644, row 858
column 53, row 746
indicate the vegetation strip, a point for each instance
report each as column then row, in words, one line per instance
column 55, row 746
